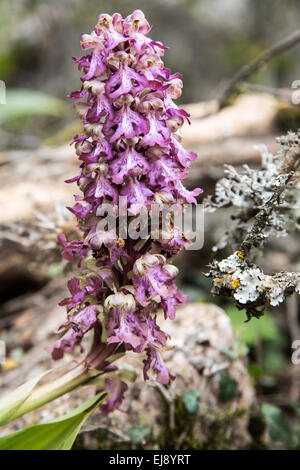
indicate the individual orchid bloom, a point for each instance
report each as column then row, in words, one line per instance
column 116, row 389
column 126, row 332
column 72, row 248
column 66, row 344
column 163, row 374
column 128, row 163
column 137, row 193
column 82, row 320
column 131, row 148
column 77, row 294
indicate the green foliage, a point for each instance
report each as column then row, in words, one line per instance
column 9, row 406
column 241, row 49
column 264, row 328
column 255, row 370
column 278, row 427
column 7, row 65
column 138, row 433
column 273, row 359
column 57, row 435
column 22, row 103
column 102, row 434
column 190, row 400
column 228, row 387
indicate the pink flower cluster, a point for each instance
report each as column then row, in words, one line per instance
column 130, row 147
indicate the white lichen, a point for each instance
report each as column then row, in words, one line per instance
column 264, row 203
column 245, row 193
column 249, row 281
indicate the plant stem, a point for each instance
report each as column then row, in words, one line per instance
column 50, row 391
column 83, row 373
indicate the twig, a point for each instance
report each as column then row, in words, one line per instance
column 183, row 437
column 292, row 160
column 284, row 94
column 263, row 215
column 170, row 401
column 257, row 63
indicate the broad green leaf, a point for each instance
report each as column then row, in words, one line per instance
column 190, row 400
column 138, row 433
column 57, row 435
column 22, row 102
column 279, row 428
column 11, row 403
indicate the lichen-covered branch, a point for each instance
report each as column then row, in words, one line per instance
column 246, row 282
column 265, row 203
column 253, row 237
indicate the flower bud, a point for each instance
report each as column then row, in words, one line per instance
column 164, row 198
column 93, row 130
column 147, row 261
column 136, row 22
column 120, row 301
column 153, row 260
column 171, row 270
column 104, row 22
column 83, row 147
column 174, row 88
column 174, row 123
column 83, row 182
column 103, row 169
column 81, row 109
column 91, row 40
column 94, row 86
column 138, row 267
column 125, row 99
column 90, row 168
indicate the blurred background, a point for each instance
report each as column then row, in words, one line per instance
column 209, row 40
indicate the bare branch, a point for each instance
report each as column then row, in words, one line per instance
column 256, row 64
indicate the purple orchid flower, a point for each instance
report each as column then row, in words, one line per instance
column 130, row 147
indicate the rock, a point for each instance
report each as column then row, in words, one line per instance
column 205, row 356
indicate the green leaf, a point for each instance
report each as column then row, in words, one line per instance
column 57, row 435
column 22, row 102
column 279, row 428
column 10, row 405
column 191, row 400
column 138, row 433
column 228, row 387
